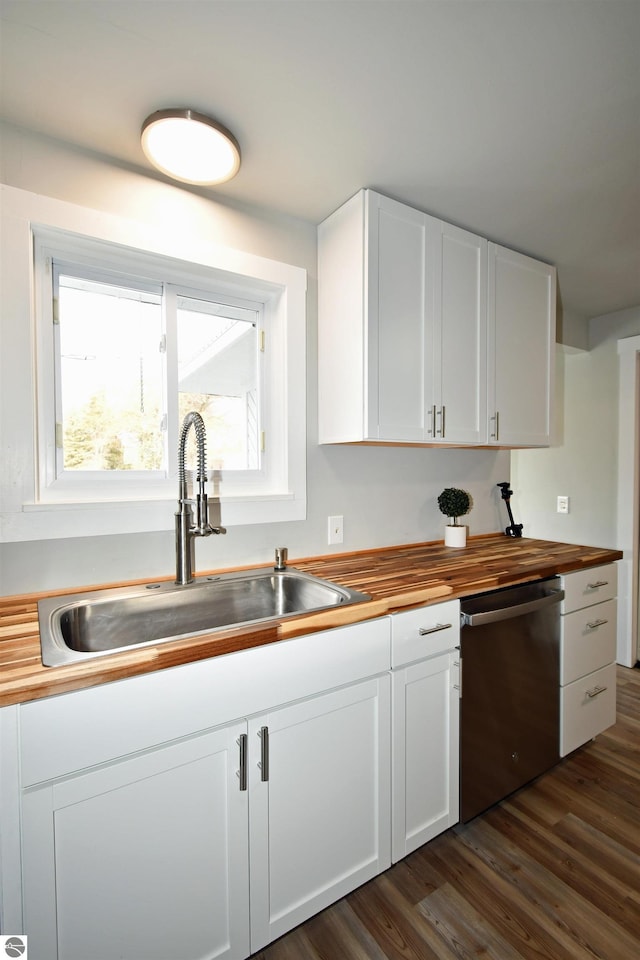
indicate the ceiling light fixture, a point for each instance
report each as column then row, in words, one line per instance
column 190, row 147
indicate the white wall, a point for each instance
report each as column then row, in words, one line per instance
column 387, row 495
column 582, row 463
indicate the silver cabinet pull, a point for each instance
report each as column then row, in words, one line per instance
column 264, row 753
column 432, row 414
column 595, row 692
column 242, row 772
column 592, row 624
column 441, row 414
column 423, row 631
column 496, row 430
column 598, row 583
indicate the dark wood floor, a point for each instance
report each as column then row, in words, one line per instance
column 552, row 872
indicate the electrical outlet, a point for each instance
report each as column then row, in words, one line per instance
column 563, row 505
column 335, row 529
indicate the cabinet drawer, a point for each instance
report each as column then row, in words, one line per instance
column 588, row 640
column 587, row 707
column 425, row 632
column 585, row 587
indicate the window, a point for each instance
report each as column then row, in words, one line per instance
column 132, row 359
column 109, row 396
column 90, row 418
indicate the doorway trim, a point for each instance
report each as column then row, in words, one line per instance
column 628, row 507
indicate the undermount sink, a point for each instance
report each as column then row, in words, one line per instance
column 74, row 628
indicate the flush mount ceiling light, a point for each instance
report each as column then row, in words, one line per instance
column 190, row 146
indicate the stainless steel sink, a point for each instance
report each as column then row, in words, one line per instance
column 74, row 628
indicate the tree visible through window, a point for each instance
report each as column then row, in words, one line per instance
column 111, row 376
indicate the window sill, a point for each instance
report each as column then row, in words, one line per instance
column 65, row 519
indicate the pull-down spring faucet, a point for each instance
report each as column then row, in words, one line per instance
column 186, row 529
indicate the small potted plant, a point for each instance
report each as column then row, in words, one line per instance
column 454, row 503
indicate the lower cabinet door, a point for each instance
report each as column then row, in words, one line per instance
column 143, row 859
column 320, row 803
column 425, row 777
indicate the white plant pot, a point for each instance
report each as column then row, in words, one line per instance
column 455, row 536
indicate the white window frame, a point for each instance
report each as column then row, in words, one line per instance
column 32, row 508
column 55, row 485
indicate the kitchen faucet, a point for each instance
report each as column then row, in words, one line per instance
column 186, row 529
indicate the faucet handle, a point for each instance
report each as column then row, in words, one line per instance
column 281, row 558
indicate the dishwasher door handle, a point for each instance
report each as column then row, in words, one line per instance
column 507, row 613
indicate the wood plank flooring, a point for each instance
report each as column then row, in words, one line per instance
column 551, row 872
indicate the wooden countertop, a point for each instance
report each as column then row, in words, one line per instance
column 394, row 577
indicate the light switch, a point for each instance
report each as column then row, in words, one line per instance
column 335, row 530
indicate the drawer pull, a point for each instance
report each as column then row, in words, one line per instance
column 423, row 631
column 592, row 624
column 598, row 583
column 596, row 692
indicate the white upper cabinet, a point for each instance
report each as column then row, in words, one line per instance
column 402, row 316
column 522, row 309
column 460, row 337
column 374, row 267
column 403, row 331
column 399, row 252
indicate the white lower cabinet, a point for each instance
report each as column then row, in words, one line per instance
column 320, row 821
column 587, row 655
column 425, row 724
column 217, row 842
column 144, row 859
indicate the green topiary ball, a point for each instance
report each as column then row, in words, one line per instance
column 454, row 502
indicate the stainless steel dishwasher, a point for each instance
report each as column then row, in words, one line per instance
column 510, row 703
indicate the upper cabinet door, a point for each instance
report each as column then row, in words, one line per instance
column 521, row 310
column 376, row 263
column 460, row 336
column 400, row 275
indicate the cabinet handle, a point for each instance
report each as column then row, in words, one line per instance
column 596, row 623
column 242, row 772
column 598, row 583
column 496, row 430
column 264, row 753
column 423, row 631
column 595, row 692
column 441, row 414
column 432, row 415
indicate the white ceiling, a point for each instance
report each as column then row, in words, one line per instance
column 518, row 119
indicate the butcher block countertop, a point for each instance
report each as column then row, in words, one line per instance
column 395, row 578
